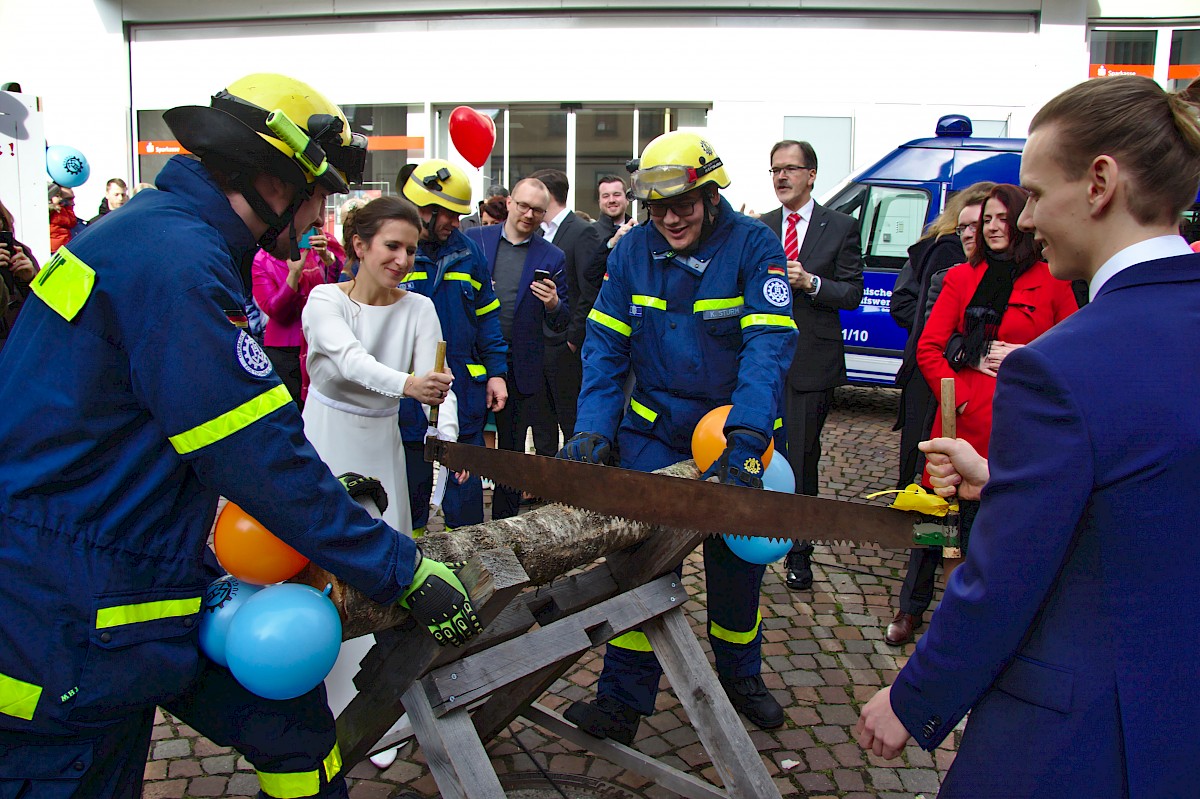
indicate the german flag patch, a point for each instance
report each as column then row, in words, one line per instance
column 776, row 269
column 238, row 318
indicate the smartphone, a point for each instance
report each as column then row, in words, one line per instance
column 541, row 274
column 6, row 238
column 305, row 239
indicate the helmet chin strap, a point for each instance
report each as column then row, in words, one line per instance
column 276, row 223
column 431, row 224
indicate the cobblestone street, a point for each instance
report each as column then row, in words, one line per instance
column 824, row 657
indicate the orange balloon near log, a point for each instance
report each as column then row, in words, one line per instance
column 250, row 552
column 708, row 439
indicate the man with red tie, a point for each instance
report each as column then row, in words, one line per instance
column 825, row 269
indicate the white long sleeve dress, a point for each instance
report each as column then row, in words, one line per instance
column 359, row 357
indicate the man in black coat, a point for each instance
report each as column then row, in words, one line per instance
column 579, row 241
column 825, row 270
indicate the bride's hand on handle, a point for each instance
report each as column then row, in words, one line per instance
column 429, row 389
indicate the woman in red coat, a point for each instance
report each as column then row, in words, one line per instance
column 1001, row 299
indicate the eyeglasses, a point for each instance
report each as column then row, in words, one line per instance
column 790, row 169
column 524, row 208
column 681, row 209
column 961, row 229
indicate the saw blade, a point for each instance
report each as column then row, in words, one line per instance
column 676, row 502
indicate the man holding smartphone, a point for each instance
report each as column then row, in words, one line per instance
column 531, row 286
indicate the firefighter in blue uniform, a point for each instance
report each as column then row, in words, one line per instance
column 698, row 306
column 451, row 269
column 132, row 399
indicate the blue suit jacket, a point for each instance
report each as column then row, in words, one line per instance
column 1071, row 627
column 528, row 339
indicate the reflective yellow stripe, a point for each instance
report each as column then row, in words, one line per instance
column 333, row 763
column 719, row 304
column 768, row 320
column 230, row 422
column 18, row 698
column 720, row 633
column 146, row 611
column 487, row 309
column 290, row 785
column 778, row 424
column 649, row 302
column 638, row 642
column 476, row 369
column 609, row 322
column 415, row 276
column 641, row 410
column 463, row 277
column 65, row 284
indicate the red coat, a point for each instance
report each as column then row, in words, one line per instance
column 1038, row 302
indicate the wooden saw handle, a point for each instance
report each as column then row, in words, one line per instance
column 949, row 430
column 439, row 363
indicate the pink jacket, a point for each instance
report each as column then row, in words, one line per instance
column 279, row 302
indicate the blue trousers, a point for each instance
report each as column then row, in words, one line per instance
column 631, row 671
column 292, row 743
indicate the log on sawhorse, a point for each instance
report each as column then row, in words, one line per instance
column 503, row 673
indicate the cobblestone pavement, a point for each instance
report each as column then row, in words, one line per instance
column 824, row 657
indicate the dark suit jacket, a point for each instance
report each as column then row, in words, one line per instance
column 578, row 240
column 832, row 251
column 1070, row 627
column 528, row 341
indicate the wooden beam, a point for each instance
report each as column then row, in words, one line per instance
column 670, row 778
column 456, row 757
column 481, row 674
column 708, row 708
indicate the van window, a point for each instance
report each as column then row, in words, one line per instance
column 890, row 218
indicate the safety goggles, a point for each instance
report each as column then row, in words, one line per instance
column 669, row 180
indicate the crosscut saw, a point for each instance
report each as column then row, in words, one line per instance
column 685, row 504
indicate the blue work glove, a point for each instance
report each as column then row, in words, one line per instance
column 438, row 600
column 741, row 462
column 587, row 447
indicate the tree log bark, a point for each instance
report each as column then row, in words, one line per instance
column 548, row 542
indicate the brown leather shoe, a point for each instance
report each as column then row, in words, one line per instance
column 900, row 631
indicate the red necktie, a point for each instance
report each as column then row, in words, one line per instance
column 791, row 246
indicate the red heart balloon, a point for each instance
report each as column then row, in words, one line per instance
column 473, row 134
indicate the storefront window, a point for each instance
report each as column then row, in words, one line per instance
column 1122, row 53
column 603, row 143
column 1185, row 59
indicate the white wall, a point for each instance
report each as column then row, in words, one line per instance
column 894, row 75
column 72, row 53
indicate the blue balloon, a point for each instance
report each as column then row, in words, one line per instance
column 778, row 476
column 283, row 641
column 67, row 166
column 758, row 550
column 222, row 599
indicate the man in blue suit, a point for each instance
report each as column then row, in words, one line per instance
column 1069, row 631
column 515, row 255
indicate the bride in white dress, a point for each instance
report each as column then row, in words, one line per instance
column 370, row 343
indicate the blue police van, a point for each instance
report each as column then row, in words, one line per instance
column 893, row 200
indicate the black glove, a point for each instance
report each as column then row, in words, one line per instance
column 438, row 600
column 587, row 447
column 741, row 462
column 358, row 486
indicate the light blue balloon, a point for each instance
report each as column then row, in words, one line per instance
column 778, row 476
column 758, row 550
column 283, row 641
column 222, row 599
column 66, row 166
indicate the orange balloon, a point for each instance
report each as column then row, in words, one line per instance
column 708, row 439
column 249, row 552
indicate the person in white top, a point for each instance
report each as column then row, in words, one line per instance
column 370, row 343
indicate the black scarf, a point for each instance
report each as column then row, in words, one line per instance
column 981, row 322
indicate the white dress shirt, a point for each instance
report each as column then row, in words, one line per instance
column 550, row 227
column 1148, row 250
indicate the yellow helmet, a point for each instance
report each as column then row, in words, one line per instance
column 675, row 163
column 436, row 182
column 278, row 125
